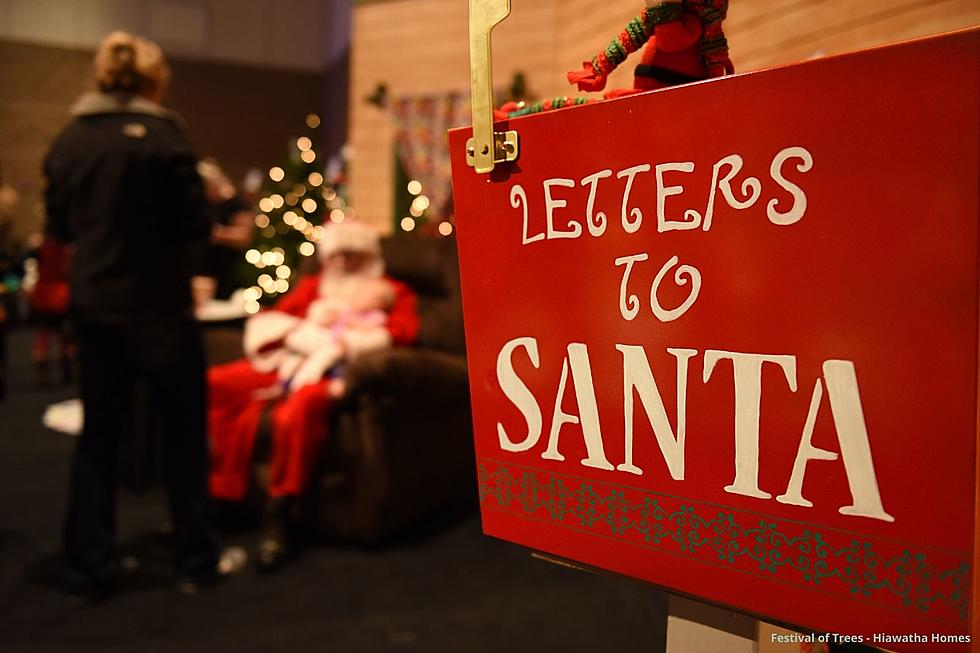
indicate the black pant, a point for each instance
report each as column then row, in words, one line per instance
column 168, row 357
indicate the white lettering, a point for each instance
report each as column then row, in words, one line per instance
column 518, row 198
column 751, row 187
column 578, row 360
column 852, row 433
column 629, row 306
column 515, row 390
column 663, row 192
column 632, row 222
column 597, row 222
column 805, row 453
column 638, row 375
column 550, row 204
column 681, row 276
column 747, row 370
column 795, row 214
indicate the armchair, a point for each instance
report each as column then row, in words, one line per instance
column 401, row 445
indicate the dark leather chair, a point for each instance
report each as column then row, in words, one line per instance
column 401, row 445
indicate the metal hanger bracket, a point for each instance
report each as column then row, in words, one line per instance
column 487, row 147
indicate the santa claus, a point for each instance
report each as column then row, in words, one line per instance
column 293, row 351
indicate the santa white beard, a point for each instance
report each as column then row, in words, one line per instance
column 347, row 286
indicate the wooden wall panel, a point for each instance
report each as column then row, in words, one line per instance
column 420, row 46
column 244, row 116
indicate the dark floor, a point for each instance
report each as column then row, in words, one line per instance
column 456, row 590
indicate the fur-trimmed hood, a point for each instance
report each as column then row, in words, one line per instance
column 94, row 103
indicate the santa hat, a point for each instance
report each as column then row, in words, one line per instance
column 349, row 236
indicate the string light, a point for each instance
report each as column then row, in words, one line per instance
column 253, row 256
column 252, row 294
column 303, row 143
column 266, row 204
column 445, row 228
column 299, row 190
column 309, row 205
column 290, row 217
column 306, row 249
column 261, row 221
column 291, row 199
column 252, row 307
column 277, row 200
column 264, row 280
column 315, row 179
column 408, row 224
column 414, row 187
column 422, row 202
column 300, row 224
column 337, row 216
column 283, row 271
column 277, row 174
column 281, row 285
column 328, row 193
column 318, row 233
column 415, row 210
column 268, row 258
column 308, row 156
column 312, row 120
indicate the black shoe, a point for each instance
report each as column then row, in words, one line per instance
column 230, row 562
column 274, row 545
column 83, row 590
column 273, row 553
column 90, row 591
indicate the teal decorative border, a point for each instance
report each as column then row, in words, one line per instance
column 889, row 573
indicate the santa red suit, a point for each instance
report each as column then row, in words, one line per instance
column 300, row 399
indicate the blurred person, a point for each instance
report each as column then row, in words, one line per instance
column 291, row 348
column 124, row 190
column 8, row 204
column 232, row 226
column 8, row 272
column 48, row 299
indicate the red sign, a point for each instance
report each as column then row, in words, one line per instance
column 723, row 338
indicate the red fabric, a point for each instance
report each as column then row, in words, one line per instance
column 299, row 419
column 299, row 431
column 588, row 78
column 675, row 46
column 50, row 294
column 298, row 300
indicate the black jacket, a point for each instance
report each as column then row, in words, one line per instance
column 123, row 187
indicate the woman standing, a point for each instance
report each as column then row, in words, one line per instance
column 124, row 191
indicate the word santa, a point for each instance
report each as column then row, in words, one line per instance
column 839, row 378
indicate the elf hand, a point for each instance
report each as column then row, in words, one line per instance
column 588, row 78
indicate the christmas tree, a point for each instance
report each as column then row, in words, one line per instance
column 297, row 195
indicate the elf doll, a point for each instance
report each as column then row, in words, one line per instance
column 682, row 42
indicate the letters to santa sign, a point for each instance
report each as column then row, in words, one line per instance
column 723, row 338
